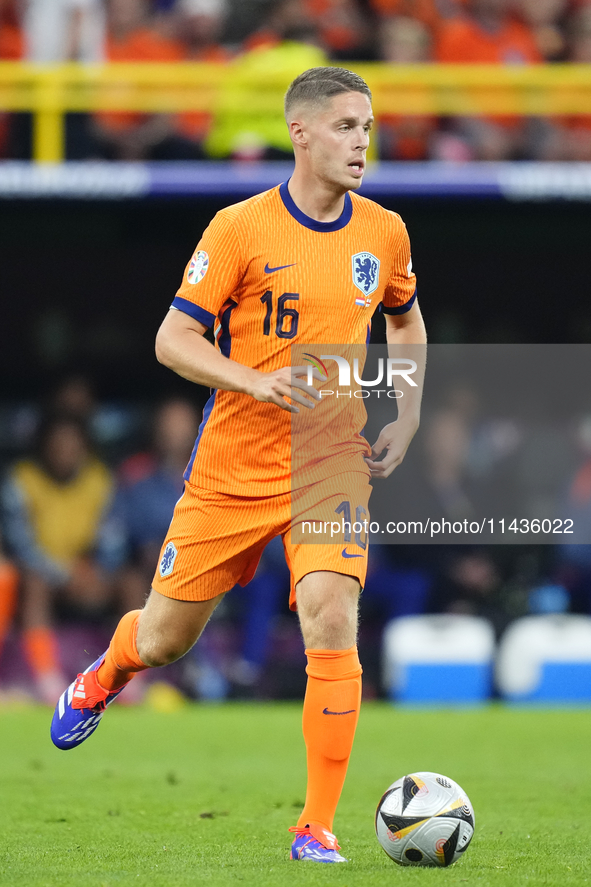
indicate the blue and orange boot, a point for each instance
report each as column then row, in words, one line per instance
column 315, row 844
column 80, row 708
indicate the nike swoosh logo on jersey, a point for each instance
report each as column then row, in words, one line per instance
column 349, row 712
column 345, row 553
column 278, row 268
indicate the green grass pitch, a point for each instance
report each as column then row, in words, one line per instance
column 205, row 795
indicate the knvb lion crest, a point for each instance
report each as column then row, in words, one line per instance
column 366, row 272
column 168, row 559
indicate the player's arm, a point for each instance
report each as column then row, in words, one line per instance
column 407, row 328
column 395, row 438
column 181, row 346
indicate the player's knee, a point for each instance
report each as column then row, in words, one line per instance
column 162, row 651
column 337, row 626
column 337, row 620
column 327, row 606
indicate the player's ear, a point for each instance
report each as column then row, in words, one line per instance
column 297, row 132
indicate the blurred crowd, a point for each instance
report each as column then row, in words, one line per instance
column 261, row 35
column 86, row 497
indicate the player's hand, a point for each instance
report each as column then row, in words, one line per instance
column 291, row 382
column 395, row 438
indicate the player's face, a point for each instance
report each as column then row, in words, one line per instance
column 338, row 137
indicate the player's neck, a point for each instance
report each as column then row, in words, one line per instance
column 320, row 203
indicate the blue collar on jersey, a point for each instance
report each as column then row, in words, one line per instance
column 303, row 219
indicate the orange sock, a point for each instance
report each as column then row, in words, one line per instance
column 41, row 650
column 122, row 660
column 331, row 712
column 8, row 587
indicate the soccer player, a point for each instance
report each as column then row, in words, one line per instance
column 306, row 262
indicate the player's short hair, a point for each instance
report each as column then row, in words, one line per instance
column 318, row 84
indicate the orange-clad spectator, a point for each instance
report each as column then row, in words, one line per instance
column 343, row 29
column 286, row 20
column 545, row 18
column 11, row 49
column 429, row 12
column 405, row 40
column 337, row 26
column 12, row 44
column 134, row 136
column 488, row 34
column 133, row 37
column 200, row 25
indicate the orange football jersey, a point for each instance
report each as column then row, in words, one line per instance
column 266, row 276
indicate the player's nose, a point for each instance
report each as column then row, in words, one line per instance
column 362, row 141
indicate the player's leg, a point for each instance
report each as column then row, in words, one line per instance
column 326, row 582
column 214, row 541
column 157, row 635
column 327, row 605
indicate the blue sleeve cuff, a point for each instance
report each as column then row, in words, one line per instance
column 400, row 309
column 194, row 311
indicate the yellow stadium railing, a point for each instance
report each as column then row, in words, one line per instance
column 48, row 92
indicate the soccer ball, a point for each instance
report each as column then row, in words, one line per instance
column 425, row 819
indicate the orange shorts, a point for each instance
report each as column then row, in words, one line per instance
column 215, row 540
